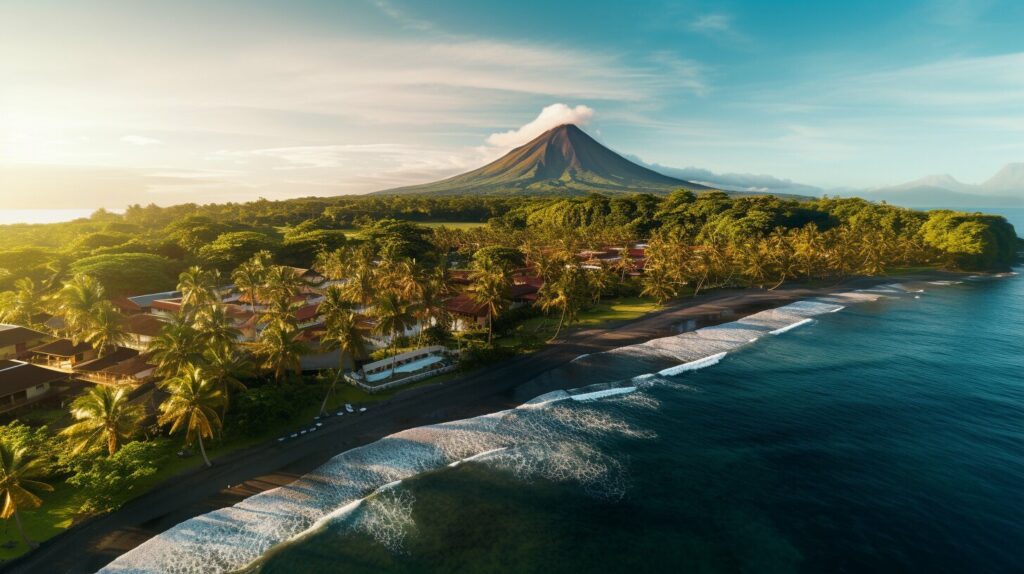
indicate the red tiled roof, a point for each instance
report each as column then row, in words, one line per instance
column 521, row 291
column 143, row 324
column 465, row 305
column 172, row 305
column 306, row 313
column 126, row 305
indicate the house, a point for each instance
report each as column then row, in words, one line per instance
column 466, row 312
column 124, row 366
column 141, row 330
column 61, row 354
column 16, row 340
column 23, row 383
column 167, row 308
column 523, row 294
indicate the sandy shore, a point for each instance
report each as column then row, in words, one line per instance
column 91, row 545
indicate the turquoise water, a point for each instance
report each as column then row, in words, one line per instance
column 885, row 437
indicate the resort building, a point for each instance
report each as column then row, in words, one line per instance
column 22, row 384
column 404, row 368
column 121, row 367
column 15, row 340
column 141, row 330
column 61, row 354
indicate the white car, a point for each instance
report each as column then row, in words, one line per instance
column 348, row 407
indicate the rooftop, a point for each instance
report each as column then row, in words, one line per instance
column 62, row 348
column 18, row 376
column 16, row 334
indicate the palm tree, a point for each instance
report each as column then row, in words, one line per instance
column 281, row 283
column 563, row 294
column 342, row 333
column 658, row 284
column 215, row 326
column 24, row 304
column 489, row 287
column 76, row 303
column 282, row 349
column 226, row 367
column 105, row 417
column 198, row 288
column 192, row 405
column 177, row 345
column 600, row 280
column 393, row 318
column 106, row 331
column 18, row 484
column 251, row 275
column 361, row 286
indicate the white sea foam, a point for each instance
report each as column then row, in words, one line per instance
column 791, row 327
column 591, row 396
column 693, row 365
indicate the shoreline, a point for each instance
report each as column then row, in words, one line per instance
column 91, row 545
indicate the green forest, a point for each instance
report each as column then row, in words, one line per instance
column 144, row 249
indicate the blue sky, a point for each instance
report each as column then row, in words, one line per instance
column 110, row 102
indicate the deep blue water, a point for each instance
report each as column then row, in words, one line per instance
column 886, row 437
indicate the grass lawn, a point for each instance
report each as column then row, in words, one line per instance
column 540, row 329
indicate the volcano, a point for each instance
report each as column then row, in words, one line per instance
column 563, row 161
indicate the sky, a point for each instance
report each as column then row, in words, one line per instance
column 108, row 103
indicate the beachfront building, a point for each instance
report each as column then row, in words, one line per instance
column 23, row 384
column 15, row 340
column 466, row 313
column 124, row 366
column 404, row 368
column 61, row 355
column 141, row 329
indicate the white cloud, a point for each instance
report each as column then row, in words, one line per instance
column 712, row 23
column 550, row 117
column 140, row 140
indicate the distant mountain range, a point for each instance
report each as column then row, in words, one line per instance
column 563, row 160
column 566, row 161
column 1004, row 189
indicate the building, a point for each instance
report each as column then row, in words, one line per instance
column 141, row 330
column 16, row 340
column 124, row 366
column 23, row 384
column 61, row 354
column 145, row 302
column 466, row 312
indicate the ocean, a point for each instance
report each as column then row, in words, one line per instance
column 871, row 431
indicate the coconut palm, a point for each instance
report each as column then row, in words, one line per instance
column 105, row 417
column 281, row 283
column 250, row 276
column 361, row 286
column 281, row 349
column 393, row 318
column 18, row 484
column 177, row 345
column 24, row 303
column 192, row 406
column 342, row 332
column 198, row 289
column 76, row 303
column 216, row 327
column 600, row 280
column 563, row 294
column 106, row 331
column 489, row 287
column 658, row 284
column 226, row 367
